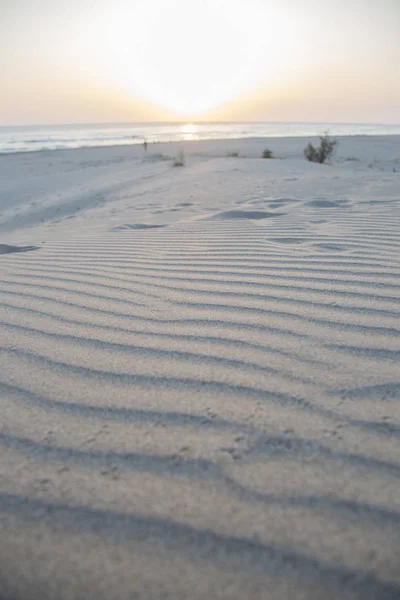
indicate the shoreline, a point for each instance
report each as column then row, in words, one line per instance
column 245, row 140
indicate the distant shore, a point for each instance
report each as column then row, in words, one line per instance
column 363, row 147
column 358, row 151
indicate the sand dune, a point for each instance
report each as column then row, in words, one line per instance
column 200, row 374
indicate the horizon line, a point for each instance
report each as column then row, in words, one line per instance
column 199, row 122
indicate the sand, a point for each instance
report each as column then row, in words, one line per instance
column 199, row 373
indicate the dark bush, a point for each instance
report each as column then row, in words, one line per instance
column 267, row 153
column 325, row 150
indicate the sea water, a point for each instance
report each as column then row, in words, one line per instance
column 53, row 137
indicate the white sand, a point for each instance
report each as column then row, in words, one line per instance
column 200, row 378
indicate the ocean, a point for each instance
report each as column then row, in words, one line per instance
column 55, row 137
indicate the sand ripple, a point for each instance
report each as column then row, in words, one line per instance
column 211, row 405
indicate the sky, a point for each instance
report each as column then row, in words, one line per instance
column 178, row 60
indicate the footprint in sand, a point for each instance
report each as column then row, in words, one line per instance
column 6, row 249
column 128, row 226
column 275, row 205
column 288, row 240
column 322, row 203
column 284, row 200
column 243, row 214
column 331, row 247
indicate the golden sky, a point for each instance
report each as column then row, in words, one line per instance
column 148, row 60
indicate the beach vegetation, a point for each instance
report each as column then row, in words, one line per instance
column 179, row 160
column 233, row 154
column 267, row 153
column 375, row 164
column 323, row 152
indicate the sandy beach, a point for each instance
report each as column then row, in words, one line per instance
column 199, row 372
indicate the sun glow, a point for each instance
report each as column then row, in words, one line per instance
column 189, row 131
column 190, row 57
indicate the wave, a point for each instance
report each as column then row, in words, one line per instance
column 111, row 139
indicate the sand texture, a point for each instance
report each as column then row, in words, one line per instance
column 200, row 374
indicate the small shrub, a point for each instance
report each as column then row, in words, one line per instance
column 180, row 160
column 233, row 154
column 374, row 164
column 156, row 157
column 267, row 153
column 325, row 150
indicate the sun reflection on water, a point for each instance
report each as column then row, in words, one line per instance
column 190, row 131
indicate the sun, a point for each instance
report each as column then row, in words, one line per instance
column 190, row 57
